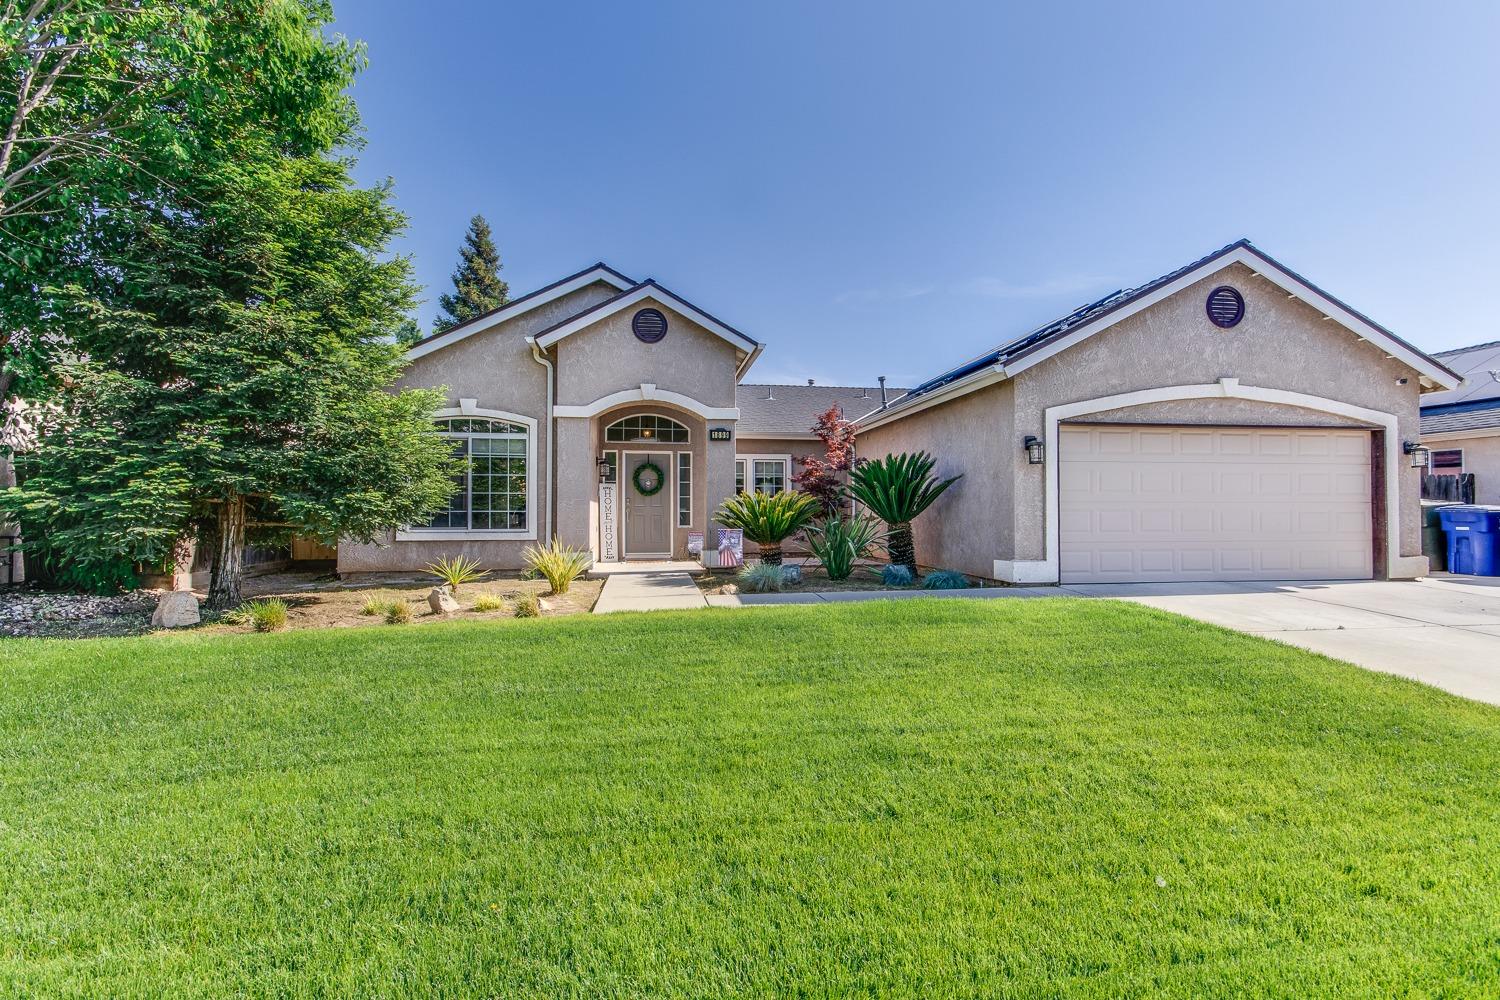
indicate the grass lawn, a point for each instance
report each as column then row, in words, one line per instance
column 913, row 798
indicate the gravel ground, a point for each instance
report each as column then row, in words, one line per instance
column 27, row 611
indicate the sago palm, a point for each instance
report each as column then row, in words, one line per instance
column 896, row 489
column 768, row 520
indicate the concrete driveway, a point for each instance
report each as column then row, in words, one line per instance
column 1443, row 630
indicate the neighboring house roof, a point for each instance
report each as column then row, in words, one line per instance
column 516, row 307
column 650, row 289
column 1472, row 416
column 1015, row 356
column 789, row 411
column 1479, row 364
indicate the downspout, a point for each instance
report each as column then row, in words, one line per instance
column 541, row 359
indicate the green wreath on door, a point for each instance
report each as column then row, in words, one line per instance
column 643, row 490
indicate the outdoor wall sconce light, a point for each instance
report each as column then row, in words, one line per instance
column 1419, row 454
column 603, row 464
column 1035, row 450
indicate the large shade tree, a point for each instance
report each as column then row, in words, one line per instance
column 228, row 335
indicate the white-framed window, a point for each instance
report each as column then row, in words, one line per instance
column 762, row 473
column 684, row 489
column 646, row 428
column 495, row 494
column 1445, row 461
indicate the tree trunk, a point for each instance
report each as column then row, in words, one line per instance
column 229, row 557
column 770, row 553
column 901, row 547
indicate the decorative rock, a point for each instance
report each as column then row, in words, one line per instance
column 441, row 601
column 730, row 588
column 176, row 609
column 546, row 605
column 791, row 575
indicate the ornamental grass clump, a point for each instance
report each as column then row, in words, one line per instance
column 457, row 571
column 559, row 564
column 528, row 606
column 489, row 602
column 762, row 578
column 896, row 489
column 945, row 579
column 268, row 615
column 897, row 575
column 768, row 519
column 841, row 540
column 373, row 606
column 399, row 613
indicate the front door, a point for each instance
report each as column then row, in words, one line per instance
column 646, row 487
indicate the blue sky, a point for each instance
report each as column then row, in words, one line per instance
column 889, row 189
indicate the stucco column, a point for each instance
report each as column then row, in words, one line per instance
column 577, row 487
column 719, row 478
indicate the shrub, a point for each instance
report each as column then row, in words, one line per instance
column 268, row 615
column 762, row 578
column 896, row 489
column 528, row 606
column 768, row 520
column 489, row 602
column 457, row 571
column 398, row 613
column 373, row 606
column 945, row 579
column 840, row 540
column 560, row 564
column 896, row 575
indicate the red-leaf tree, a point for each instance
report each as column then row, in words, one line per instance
column 825, row 477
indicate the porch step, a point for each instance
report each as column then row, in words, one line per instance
column 663, row 566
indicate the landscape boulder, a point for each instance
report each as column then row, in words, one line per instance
column 176, row 609
column 441, row 601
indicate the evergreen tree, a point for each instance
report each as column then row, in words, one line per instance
column 227, row 374
column 477, row 287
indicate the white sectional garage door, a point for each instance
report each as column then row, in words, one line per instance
column 1149, row 503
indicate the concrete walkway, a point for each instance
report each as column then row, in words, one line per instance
column 846, row 596
column 648, row 588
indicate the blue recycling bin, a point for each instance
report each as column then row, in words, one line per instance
column 1473, row 539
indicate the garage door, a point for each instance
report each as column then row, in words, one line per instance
column 1142, row 503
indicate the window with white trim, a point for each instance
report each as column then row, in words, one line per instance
column 1447, row 462
column 491, row 492
column 646, row 428
column 739, row 475
column 684, row 489
column 762, row 473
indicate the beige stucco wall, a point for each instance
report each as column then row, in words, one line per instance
column 607, row 357
column 496, row 369
column 1281, row 343
column 969, row 526
column 1481, row 457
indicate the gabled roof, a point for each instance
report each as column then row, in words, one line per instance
column 650, row 289
column 1479, row 364
column 788, row 411
column 1015, row 356
column 516, row 307
column 1479, row 415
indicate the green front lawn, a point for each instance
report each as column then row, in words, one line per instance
column 915, row 798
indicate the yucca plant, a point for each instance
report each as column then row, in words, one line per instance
column 767, row 519
column 560, row 564
column 840, row 540
column 896, row 489
column 457, row 571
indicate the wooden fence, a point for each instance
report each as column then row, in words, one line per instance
column 1459, row 489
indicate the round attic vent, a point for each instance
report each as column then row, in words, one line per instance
column 1226, row 306
column 649, row 326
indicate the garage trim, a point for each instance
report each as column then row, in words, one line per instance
column 1046, row 570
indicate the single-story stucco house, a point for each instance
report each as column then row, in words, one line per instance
column 1462, row 426
column 1226, row 421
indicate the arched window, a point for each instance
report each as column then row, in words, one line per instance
column 491, row 494
column 646, row 429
